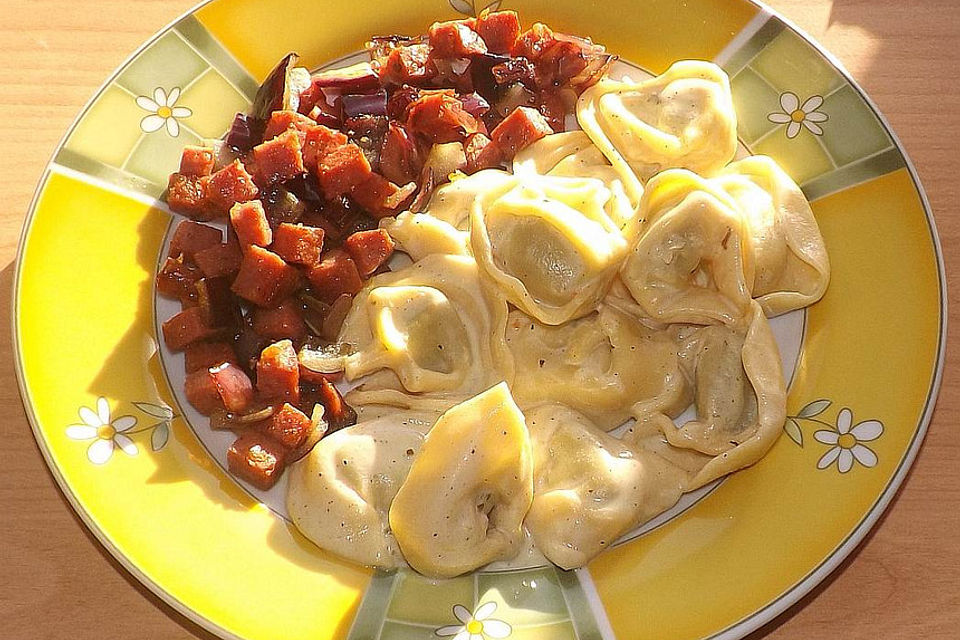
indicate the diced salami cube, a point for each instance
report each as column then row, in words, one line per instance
column 298, row 244
column 381, row 197
column 334, row 276
column 533, row 42
column 190, row 237
column 197, row 161
column 369, row 249
column 201, row 391
column 257, row 458
column 280, row 322
column 249, row 221
column 522, row 127
column 337, row 412
column 264, row 278
column 233, row 385
column 288, row 426
column 440, row 117
column 454, row 39
column 187, row 195
column 408, row 65
column 399, row 160
column 481, row 153
column 342, row 169
column 283, row 121
column 203, row 355
column 499, row 29
column 320, row 141
column 220, row 260
column 278, row 372
column 185, row 328
column 178, row 279
column 279, row 159
column 230, row 185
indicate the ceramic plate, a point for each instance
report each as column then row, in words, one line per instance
column 864, row 363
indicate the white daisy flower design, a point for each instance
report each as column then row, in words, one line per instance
column 796, row 115
column 477, row 625
column 106, row 434
column 845, row 442
column 163, row 111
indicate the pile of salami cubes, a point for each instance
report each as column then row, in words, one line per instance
column 303, row 179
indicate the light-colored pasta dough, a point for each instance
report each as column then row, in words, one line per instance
column 464, row 500
column 426, row 336
column 420, row 235
column 690, row 264
column 339, row 495
column 601, row 365
column 790, row 260
column 589, row 487
column 549, row 244
column 740, row 398
column 683, row 118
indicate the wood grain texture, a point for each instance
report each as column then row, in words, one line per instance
column 57, row 582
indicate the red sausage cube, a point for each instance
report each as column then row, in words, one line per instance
column 197, row 161
column 440, row 117
column 249, row 220
column 187, row 195
column 278, row 372
column 381, row 197
column 233, row 385
column 220, row 260
column 408, row 65
column 499, row 29
column 283, row 121
column 335, row 275
column 201, row 391
column 283, row 321
column 203, row 355
column 230, row 185
column 342, row 169
column 481, row 153
column 279, row 159
column 264, row 278
column 177, row 279
column 399, row 160
column 256, row 458
column 288, row 426
column 319, row 141
column 522, row 127
column 298, row 243
column 369, row 249
column 454, row 39
column 185, row 328
column 191, row 237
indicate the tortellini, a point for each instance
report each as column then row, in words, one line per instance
column 453, row 202
column 589, row 487
column 426, row 336
column 791, row 265
column 339, row 495
column 601, row 365
column 420, row 235
column 549, row 244
column 573, row 155
column 464, row 500
column 740, row 398
column 690, row 264
column 682, row 118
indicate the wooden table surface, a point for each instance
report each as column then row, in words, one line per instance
column 57, row 582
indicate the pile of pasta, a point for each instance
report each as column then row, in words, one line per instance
column 622, row 271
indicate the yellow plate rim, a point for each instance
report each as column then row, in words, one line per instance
column 735, row 631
